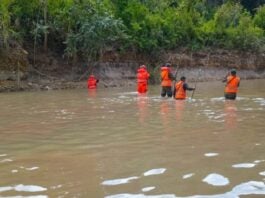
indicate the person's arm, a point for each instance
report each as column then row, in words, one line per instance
column 186, row 87
column 171, row 76
column 225, row 78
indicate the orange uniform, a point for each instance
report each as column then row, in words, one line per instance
column 165, row 77
column 180, row 91
column 232, row 84
column 92, row 82
column 142, row 79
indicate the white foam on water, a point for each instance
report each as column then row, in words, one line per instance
column 216, row 180
column 23, row 188
column 211, row 154
column 29, row 188
column 219, row 116
column 241, row 98
column 248, row 109
column 140, row 196
column 123, row 97
column 244, row 165
column 5, row 188
column 3, row 155
column 248, row 188
column 6, row 160
column 114, row 182
column 129, row 93
column 218, row 99
column 32, row 168
column 261, row 101
column 33, row 196
column 14, row 171
column 187, row 176
column 147, row 189
column 262, row 173
column 258, row 161
column 157, row 171
column 56, row 187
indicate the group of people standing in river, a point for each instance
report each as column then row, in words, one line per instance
column 179, row 88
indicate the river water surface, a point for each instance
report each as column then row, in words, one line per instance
column 114, row 143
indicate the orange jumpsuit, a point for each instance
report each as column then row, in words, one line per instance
column 92, row 82
column 142, row 79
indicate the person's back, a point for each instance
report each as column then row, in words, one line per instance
column 180, row 89
column 142, row 79
column 92, row 82
column 166, row 80
column 180, row 93
column 232, row 84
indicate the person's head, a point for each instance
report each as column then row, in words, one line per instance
column 143, row 66
column 168, row 64
column 233, row 72
column 183, row 78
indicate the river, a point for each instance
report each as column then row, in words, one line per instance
column 112, row 143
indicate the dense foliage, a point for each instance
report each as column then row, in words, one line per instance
column 88, row 28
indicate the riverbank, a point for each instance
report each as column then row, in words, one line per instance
column 51, row 71
column 123, row 78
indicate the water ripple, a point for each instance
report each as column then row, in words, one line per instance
column 118, row 181
column 147, row 189
column 211, row 154
column 244, row 165
column 248, row 188
column 155, row 172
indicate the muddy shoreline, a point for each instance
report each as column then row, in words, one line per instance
column 123, row 78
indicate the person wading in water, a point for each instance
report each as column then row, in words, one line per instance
column 166, row 80
column 142, row 79
column 180, row 89
column 92, row 82
column 232, row 83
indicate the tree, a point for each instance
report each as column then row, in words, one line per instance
column 259, row 18
column 5, row 22
column 94, row 31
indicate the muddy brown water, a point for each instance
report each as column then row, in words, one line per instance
column 114, row 143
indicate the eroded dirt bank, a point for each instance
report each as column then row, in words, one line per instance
column 48, row 71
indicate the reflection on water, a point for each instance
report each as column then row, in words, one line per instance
column 142, row 104
column 115, row 143
column 230, row 112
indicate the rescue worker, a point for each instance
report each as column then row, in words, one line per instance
column 166, row 80
column 232, row 83
column 92, row 82
column 142, row 79
column 180, row 89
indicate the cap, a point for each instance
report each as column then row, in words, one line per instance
column 142, row 66
column 233, row 71
column 168, row 64
column 183, row 78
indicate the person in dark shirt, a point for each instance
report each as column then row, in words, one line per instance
column 232, row 83
column 180, row 89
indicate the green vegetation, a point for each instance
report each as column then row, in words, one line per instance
column 88, row 28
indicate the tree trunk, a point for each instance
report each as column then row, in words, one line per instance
column 45, row 44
